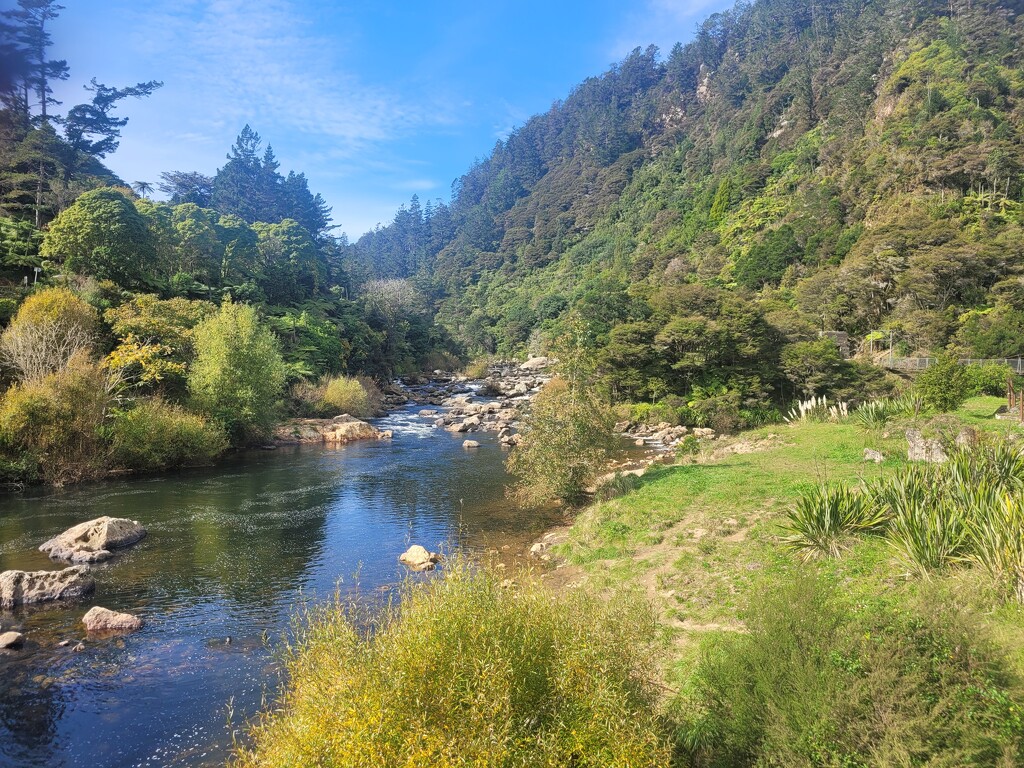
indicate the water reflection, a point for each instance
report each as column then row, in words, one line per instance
column 231, row 552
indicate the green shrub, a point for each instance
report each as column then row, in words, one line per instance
column 945, row 386
column 817, row 681
column 157, row 435
column 347, row 395
column 465, row 672
column 566, row 440
column 238, row 372
column 988, row 379
column 478, row 369
column 56, row 423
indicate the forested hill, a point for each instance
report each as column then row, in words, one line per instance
column 849, row 165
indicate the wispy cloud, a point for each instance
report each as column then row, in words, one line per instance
column 266, row 63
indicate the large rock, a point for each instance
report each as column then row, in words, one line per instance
column 102, row 620
column 23, row 587
column 11, row 640
column 536, row 364
column 341, row 429
column 419, row 559
column 93, row 541
column 920, row 448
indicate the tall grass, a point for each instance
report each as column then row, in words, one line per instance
column 334, row 395
column 465, row 672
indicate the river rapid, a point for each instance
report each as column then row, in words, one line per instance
column 233, row 552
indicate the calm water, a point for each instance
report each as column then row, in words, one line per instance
column 231, row 552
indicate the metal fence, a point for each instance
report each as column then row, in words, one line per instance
column 1015, row 364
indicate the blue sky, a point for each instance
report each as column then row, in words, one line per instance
column 373, row 101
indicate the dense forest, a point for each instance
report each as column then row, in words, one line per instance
column 799, row 167
column 714, row 218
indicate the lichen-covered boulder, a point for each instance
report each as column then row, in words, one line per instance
column 93, row 541
column 99, row 619
column 24, row 587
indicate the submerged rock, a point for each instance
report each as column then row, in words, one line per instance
column 93, row 541
column 419, row 559
column 11, row 640
column 24, row 587
column 99, row 619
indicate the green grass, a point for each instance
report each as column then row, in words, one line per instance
column 701, row 537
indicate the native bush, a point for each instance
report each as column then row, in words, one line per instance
column 817, row 680
column 462, row 671
column 56, row 422
column 357, row 396
column 50, row 328
column 945, row 386
column 238, row 373
column 566, row 440
column 158, row 435
column 988, row 379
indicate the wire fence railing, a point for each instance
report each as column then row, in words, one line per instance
column 1016, row 364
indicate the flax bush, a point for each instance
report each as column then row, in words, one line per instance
column 464, row 672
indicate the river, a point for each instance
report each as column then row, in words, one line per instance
column 231, row 555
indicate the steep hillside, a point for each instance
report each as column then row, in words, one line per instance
column 800, row 166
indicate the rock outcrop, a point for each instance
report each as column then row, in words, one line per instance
column 419, row 559
column 94, row 540
column 339, row 430
column 24, row 587
column 99, row 619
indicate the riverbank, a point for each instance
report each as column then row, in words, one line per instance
column 702, row 537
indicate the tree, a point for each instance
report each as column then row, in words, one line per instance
column 31, row 33
column 568, row 433
column 91, row 128
column 143, row 188
column 812, row 366
column 238, row 373
column 104, row 236
column 187, row 187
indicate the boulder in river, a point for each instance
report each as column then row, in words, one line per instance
column 470, row 444
column 23, row 587
column 419, row 559
column 93, row 541
column 99, row 619
column 11, row 640
column 340, row 429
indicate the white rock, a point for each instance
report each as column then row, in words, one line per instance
column 24, row 587
column 419, row 559
column 11, row 639
column 93, row 541
column 470, row 444
column 102, row 620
